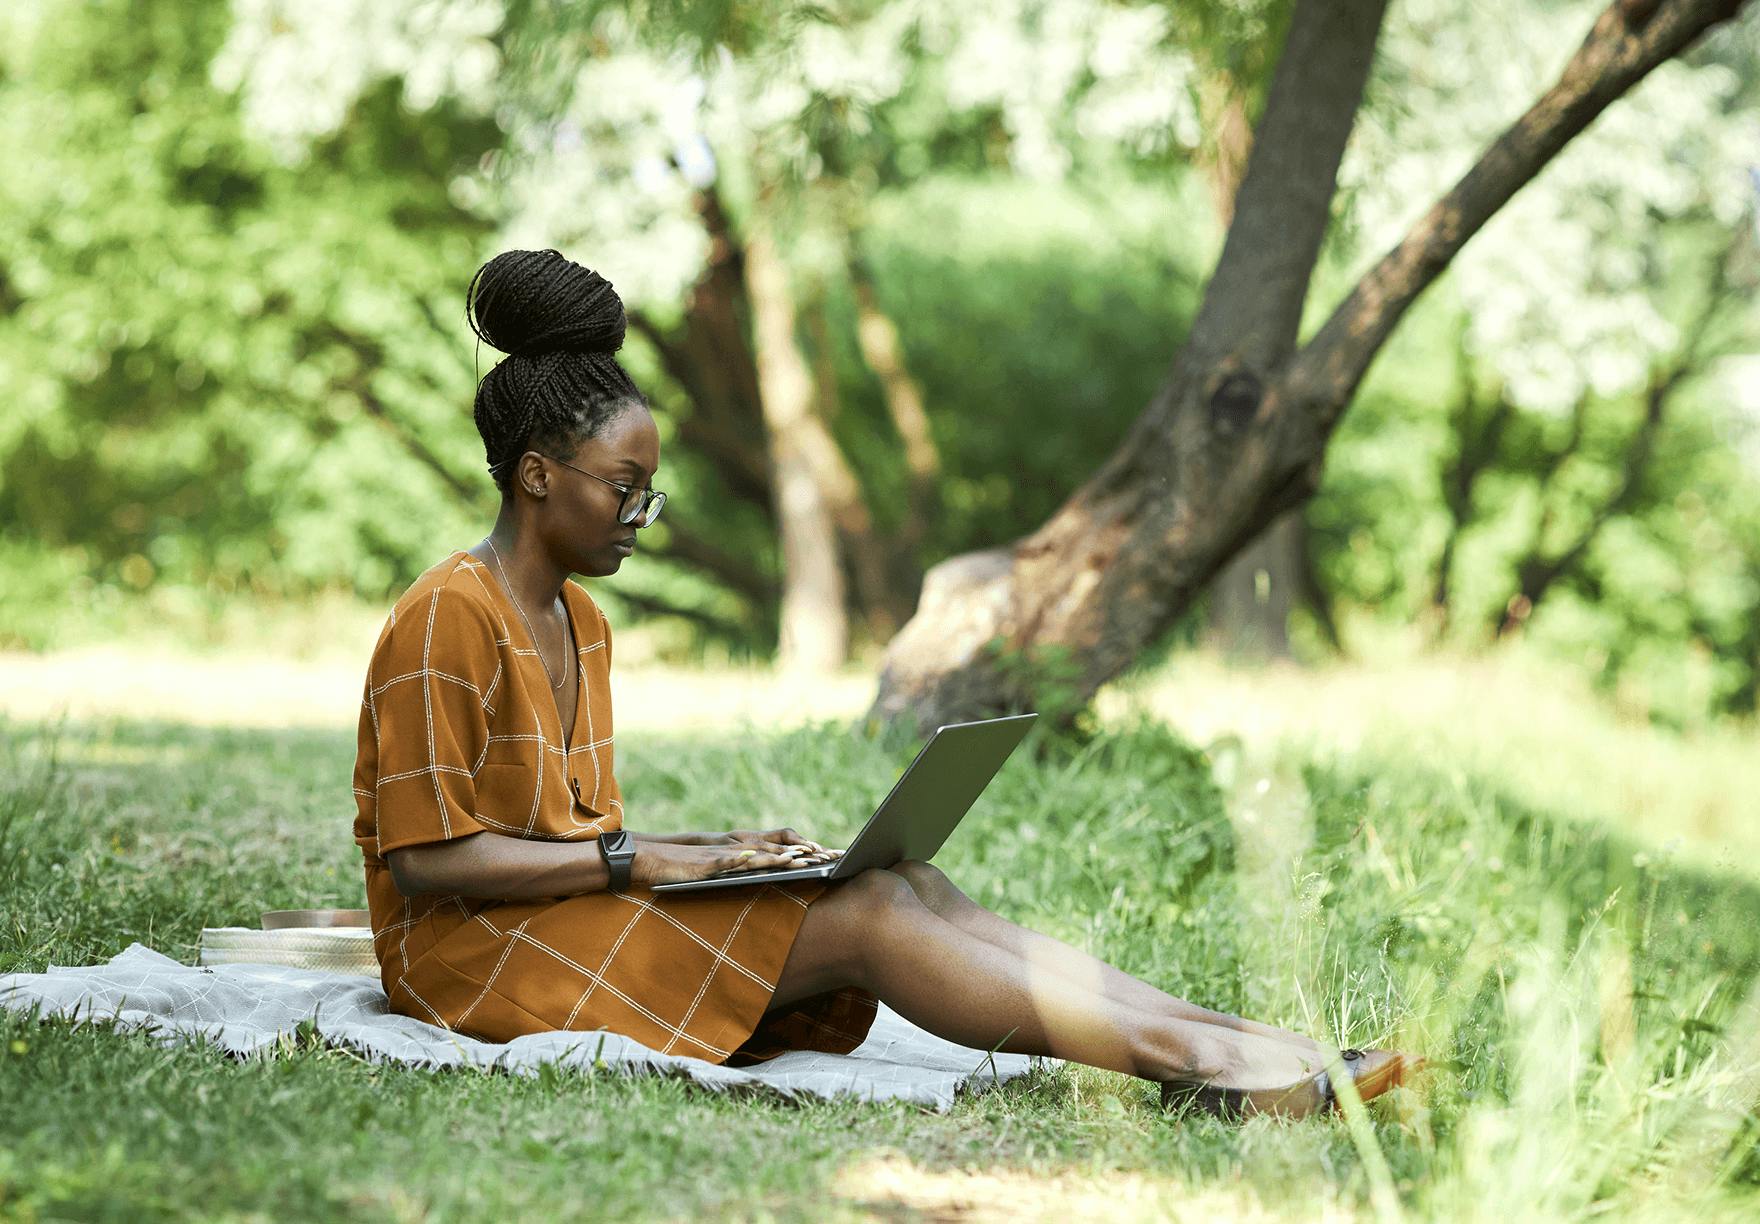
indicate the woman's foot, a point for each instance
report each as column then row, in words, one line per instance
column 1372, row 1072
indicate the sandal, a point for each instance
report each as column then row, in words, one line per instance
column 1372, row 1072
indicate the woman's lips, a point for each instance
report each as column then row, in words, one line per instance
column 624, row 547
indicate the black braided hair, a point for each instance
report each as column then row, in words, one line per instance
column 559, row 324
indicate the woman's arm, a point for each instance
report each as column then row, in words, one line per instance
column 677, row 839
column 498, row 867
column 504, row 868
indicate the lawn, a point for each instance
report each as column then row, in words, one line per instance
column 1589, row 994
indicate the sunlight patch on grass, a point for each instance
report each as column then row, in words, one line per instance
column 1536, row 730
column 270, row 690
column 892, row 1186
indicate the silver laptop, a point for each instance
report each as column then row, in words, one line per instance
column 929, row 798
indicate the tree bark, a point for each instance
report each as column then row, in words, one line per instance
column 711, row 360
column 706, row 426
column 1251, row 599
column 1237, row 432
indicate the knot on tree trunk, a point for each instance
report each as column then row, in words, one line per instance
column 1637, row 13
column 1234, row 400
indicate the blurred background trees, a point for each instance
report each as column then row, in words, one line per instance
column 898, row 277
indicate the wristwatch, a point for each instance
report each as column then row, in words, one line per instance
column 619, row 849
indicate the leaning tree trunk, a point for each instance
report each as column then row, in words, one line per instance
column 1237, row 432
column 1251, row 599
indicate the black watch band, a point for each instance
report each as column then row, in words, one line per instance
column 619, row 849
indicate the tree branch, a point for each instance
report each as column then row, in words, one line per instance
column 1626, row 42
column 369, row 355
column 882, row 350
column 736, row 573
column 736, row 454
column 657, row 606
column 1478, row 447
column 1537, row 574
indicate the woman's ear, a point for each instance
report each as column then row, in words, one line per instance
column 531, row 476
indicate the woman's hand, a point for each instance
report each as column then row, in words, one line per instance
column 666, row 862
column 776, row 839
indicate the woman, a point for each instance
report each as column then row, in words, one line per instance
column 489, row 810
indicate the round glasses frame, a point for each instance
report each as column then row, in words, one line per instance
column 643, row 504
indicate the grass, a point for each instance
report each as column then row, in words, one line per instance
column 1588, row 993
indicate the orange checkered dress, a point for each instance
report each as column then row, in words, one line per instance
column 460, row 733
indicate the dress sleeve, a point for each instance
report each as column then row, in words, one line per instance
column 431, row 676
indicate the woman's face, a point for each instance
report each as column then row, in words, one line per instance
column 581, row 514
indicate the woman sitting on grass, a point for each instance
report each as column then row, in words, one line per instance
column 502, row 898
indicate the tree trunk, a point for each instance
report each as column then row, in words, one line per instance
column 1237, row 432
column 884, row 353
column 814, row 632
column 869, row 551
column 1251, row 599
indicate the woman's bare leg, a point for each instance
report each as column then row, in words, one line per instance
column 874, row 932
column 942, row 896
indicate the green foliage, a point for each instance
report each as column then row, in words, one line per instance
column 1660, row 610
column 1048, row 679
column 211, row 352
column 1038, row 319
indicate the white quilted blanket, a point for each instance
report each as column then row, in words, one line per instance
column 243, row 1007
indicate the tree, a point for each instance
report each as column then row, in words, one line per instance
column 798, row 114
column 236, row 365
column 1238, row 431
column 728, row 152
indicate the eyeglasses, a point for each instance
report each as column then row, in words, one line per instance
column 643, row 504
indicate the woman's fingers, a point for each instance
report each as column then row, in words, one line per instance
column 759, row 860
column 781, row 848
column 770, row 854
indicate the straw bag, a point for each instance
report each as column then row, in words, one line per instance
column 337, row 941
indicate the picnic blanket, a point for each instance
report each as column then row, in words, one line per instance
column 245, row 1007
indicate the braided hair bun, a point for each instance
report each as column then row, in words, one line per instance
column 526, row 303
column 559, row 324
